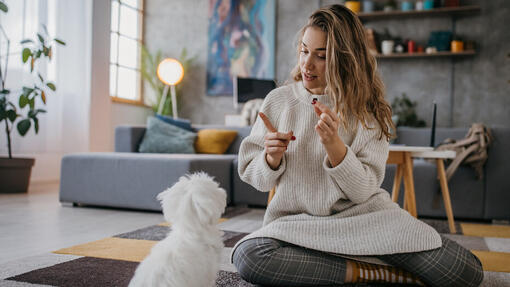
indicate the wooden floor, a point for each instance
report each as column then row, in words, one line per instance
column 35, row 222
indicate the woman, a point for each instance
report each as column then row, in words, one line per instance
column 323, row 143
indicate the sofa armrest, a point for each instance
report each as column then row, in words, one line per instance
column 127, row 138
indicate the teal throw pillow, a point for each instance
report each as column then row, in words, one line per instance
column 161, row 137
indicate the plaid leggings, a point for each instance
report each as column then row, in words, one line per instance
column 268, row 261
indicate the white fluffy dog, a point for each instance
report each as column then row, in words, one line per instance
column 190, row 254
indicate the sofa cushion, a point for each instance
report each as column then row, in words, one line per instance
column 162, row 137
column 128, row 138
column 497, row 171
column 182, row 123
column 245, row 193
column 242, row 132
column 214, row 141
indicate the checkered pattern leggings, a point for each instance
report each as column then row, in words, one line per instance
column 272, row 262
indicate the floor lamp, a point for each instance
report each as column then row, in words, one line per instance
column 170, row 72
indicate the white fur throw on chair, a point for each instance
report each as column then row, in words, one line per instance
column 250, row 111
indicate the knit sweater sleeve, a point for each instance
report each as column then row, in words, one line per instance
column 253, row 167
column 361, row 173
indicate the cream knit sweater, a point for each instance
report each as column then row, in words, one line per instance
column 340, row 210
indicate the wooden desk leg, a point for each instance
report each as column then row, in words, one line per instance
column 446, row 194
column 396, row 183
column 409, row 185
column 271, row 195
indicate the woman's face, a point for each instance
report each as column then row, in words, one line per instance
column 312, row 60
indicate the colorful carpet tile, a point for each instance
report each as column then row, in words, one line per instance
column 112, row 261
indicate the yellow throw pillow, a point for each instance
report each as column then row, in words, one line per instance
column 214, row 141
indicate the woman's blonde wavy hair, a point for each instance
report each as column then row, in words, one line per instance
column 352, row 80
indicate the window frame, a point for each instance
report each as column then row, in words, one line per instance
column 115, row 98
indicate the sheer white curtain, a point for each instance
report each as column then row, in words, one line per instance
column 65, row 126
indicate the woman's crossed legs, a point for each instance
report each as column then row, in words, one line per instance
column 268, row 261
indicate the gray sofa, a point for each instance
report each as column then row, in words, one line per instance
column 128, row 179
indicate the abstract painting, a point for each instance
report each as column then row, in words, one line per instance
column 241, row 42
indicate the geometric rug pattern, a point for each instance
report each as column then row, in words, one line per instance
column 112, row 261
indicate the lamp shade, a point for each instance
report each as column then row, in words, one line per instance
column 170, row 71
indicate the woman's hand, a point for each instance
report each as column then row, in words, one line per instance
column 275, row 143
column 327, row 129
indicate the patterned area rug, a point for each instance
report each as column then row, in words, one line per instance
column 112, row 261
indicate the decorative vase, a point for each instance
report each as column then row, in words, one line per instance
column 387, row 47
column 368, row 6
column 457, row 46
column 354, row 6
column 406, row 6
column 428, row 5
column 15, row 174
column 418, row 5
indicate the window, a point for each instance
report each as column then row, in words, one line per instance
column 20, row 22
column 125, row 47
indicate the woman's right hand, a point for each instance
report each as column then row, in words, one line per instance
column 275, row 143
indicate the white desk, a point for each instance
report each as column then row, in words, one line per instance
column 403, row 156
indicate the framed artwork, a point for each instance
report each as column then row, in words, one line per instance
column 241, row 42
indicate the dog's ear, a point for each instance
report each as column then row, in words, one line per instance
column 171, row 198
column 209, row 204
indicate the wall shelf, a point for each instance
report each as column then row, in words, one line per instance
column 452, row 12
column 425, row 55
column 444, row 11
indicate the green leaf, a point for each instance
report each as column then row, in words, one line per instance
column 26, row 41
column 25, row 54
column 23, row 126
column 51, row 86
column 27, row 91
column 31, row 102
column 36, row 124
column 38, row 54
column 12, row 106
column 41, row 38
column 23, row 101
column 33, row 113
column 5, row 91
column 60, row 42
column 3, row 7
column 184, row 53
column 45, row 29
column 43, row 97
column 40, row 77
column 11, row 115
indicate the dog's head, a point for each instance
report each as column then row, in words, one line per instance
column 195, row 198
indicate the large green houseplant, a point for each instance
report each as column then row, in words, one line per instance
column 18, row 108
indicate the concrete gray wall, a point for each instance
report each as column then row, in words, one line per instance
column 481, row 87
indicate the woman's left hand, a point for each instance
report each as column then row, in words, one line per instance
column 327, row 125
column 327, row 129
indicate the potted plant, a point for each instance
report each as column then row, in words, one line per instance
column 404, row 111
column 18, row 108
